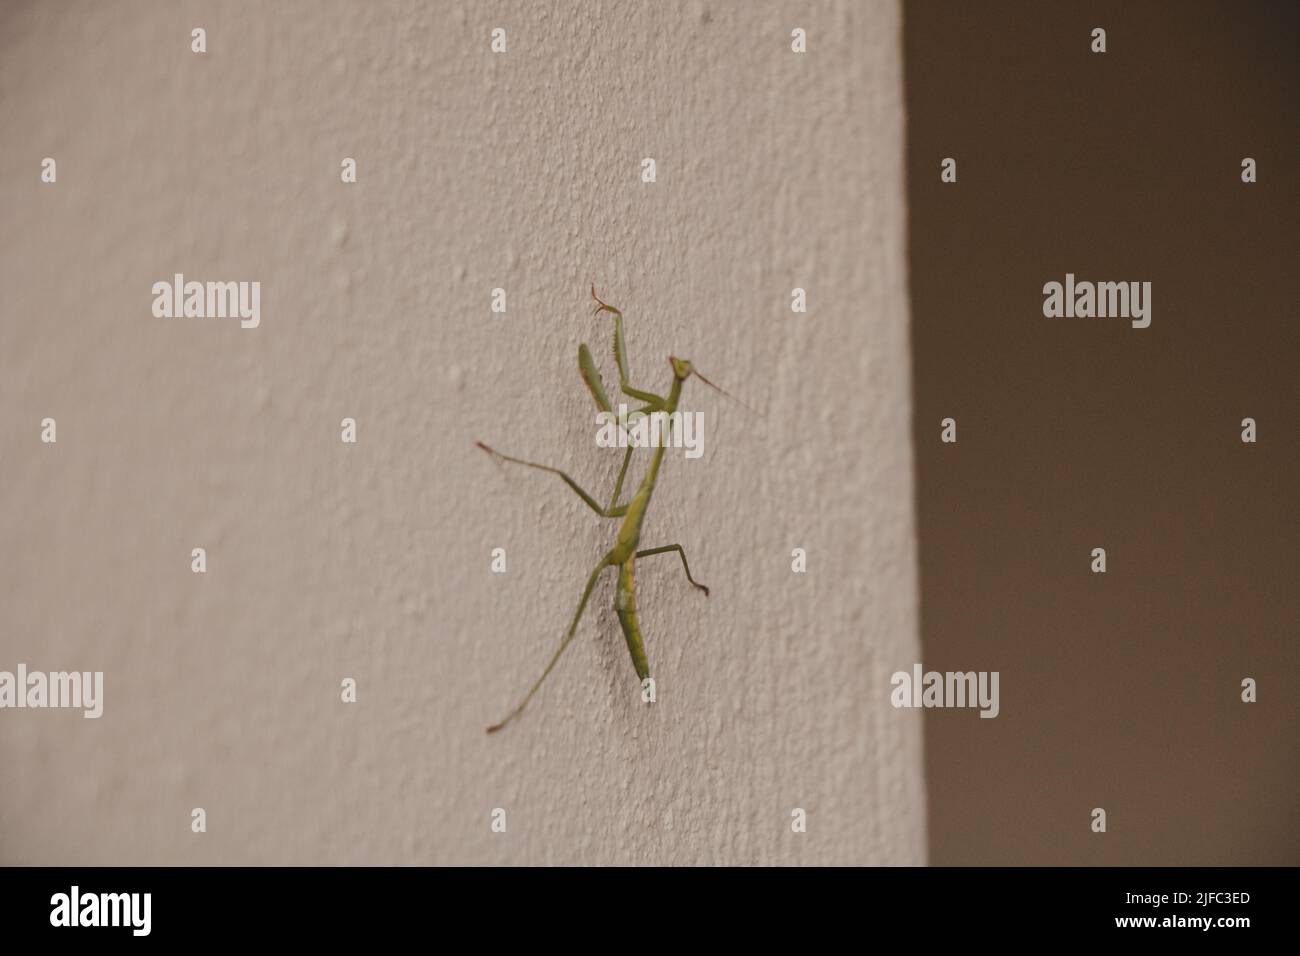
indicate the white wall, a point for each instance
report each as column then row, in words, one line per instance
column 521, row 171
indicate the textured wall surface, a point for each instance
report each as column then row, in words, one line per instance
column 326, row 560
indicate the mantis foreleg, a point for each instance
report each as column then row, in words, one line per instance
column 653, row 402
column 618, row 485
column 591, row 376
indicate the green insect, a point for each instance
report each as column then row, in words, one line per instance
column 624, row 553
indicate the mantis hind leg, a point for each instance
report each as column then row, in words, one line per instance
column 564, row 644
column 686, row 567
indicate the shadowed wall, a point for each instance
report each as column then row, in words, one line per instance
column 1119, row 690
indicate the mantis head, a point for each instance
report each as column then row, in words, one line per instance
column 682, row 370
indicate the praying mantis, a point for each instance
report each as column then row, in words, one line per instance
column 623, row 555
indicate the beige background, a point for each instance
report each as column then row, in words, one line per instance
column 372, row 561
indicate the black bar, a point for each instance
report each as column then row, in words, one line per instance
column 213, row 905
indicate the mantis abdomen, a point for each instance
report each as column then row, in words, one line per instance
column 625, row 605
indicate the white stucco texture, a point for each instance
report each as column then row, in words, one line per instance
column 325, row 560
